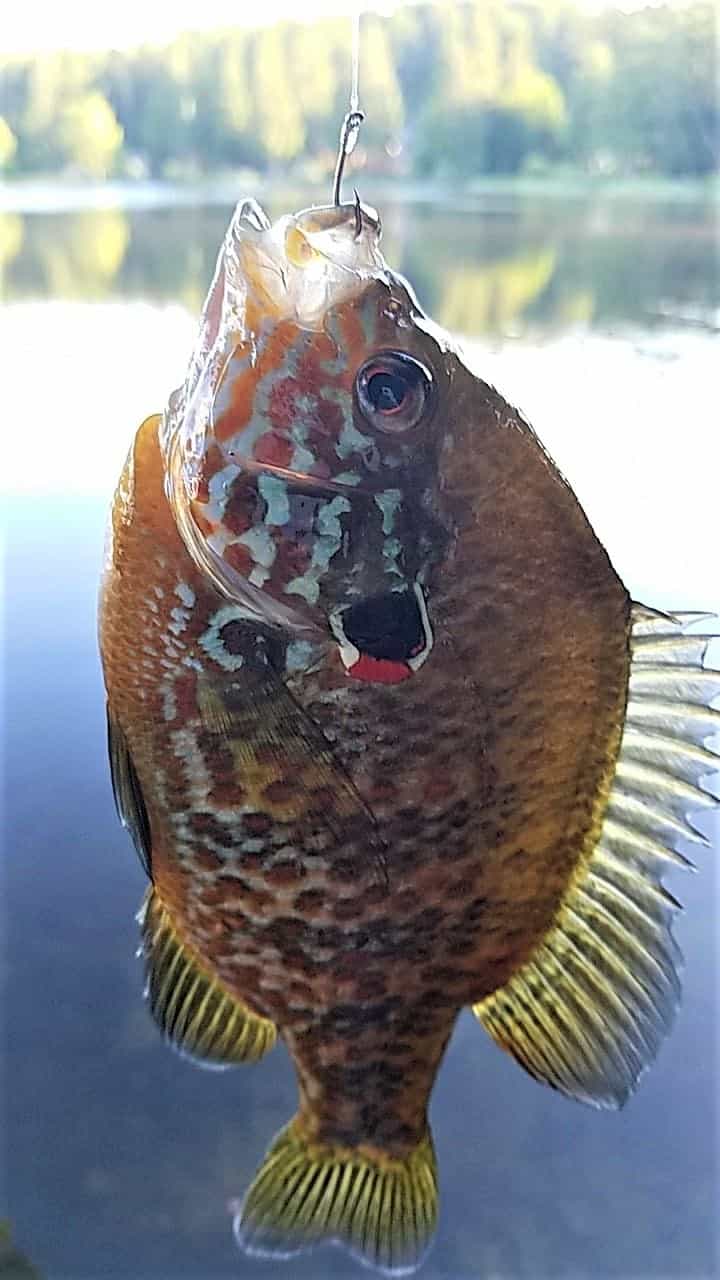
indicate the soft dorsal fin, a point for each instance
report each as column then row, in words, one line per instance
column 193, row 1010
column 128, row 794
column 587, row 1013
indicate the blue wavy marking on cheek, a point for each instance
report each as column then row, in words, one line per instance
column 327, row 543
column 389, row 502
column 273, row 490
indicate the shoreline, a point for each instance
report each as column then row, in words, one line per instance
column 58, row 194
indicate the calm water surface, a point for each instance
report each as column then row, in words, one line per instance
column 121, row 1160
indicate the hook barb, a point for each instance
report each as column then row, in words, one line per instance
column 358, row 214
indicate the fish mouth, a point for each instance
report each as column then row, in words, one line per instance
column 305, row 262
column 384, row 639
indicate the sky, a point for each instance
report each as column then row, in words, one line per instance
column 85, row 24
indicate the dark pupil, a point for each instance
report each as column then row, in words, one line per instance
column 386, row 392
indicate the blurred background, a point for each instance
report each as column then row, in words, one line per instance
column 546, row 172
column 453, row 91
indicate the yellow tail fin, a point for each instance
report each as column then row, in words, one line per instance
column 383, row 1209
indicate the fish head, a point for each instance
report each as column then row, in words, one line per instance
column 302, row 454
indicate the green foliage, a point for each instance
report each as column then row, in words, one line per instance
column 88, row 134
column 277, row 120
column 13, row 1264
column 463, row 88
column 663, row 110
column 379, row 84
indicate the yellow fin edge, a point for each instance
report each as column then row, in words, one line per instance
column 196, row 1014
column 588, row 1012
column 382, row 1209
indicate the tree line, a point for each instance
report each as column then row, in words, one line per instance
column 451, row 91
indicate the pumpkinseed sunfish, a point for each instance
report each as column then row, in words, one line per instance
column 389, row 735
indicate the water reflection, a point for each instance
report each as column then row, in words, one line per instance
column 492, row 297
column 506, row 268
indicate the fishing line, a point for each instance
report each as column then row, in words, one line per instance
column 354, row 118
column 355, row 74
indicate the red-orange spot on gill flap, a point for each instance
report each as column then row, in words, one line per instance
column 281, row 405
column 239, row 557
column 379, row 670
column 274, row 450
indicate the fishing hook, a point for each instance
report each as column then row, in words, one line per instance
column 348, row 138
column 358, row 214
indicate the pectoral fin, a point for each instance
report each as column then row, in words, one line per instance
column 193, row 1010
column 128, row 793
column 587, row 1013
column 260, row 721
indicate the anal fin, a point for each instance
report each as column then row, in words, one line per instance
column 195, row 1013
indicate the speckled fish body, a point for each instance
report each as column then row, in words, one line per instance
column 387, row 730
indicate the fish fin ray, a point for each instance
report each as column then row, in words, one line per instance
column 587, row 1013
column 129, row 801
column 382, row 1209
column 265, row 717
column 193, row 1010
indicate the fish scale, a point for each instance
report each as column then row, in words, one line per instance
column 347, row 847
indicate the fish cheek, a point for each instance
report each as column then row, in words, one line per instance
column 382, row 550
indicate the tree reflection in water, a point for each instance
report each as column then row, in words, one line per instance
column 519, row 264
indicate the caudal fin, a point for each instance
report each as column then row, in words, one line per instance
column 382, row 1209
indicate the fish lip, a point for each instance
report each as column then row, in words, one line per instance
column 349, row 652
column 303, row 263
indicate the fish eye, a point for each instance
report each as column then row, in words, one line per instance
column 393, row 390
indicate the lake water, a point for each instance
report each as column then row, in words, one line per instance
column 600, row 321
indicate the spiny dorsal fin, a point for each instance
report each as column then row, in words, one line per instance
column 195, row 1013
column 128, row 794
column 588, row 1012
column 383, row 1209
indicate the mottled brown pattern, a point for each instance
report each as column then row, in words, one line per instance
column 368, row 859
